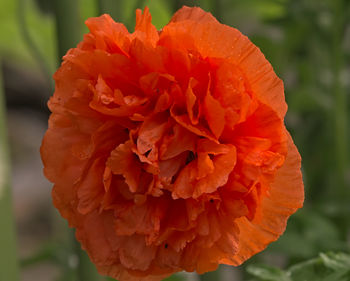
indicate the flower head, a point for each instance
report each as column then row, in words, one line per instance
column 167, row 149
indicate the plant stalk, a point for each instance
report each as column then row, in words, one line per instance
column 340, row 118
column 31, row 45
column 9, row 269
column 340, row 104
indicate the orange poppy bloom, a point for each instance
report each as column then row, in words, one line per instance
column 167, row 149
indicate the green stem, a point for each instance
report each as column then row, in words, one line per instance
column 342, row 190
column 86, row 270
column 68, row 26
column 65, row 253
column 340, row 105
column 111, row 7
column 32, row 47
column 8, row 254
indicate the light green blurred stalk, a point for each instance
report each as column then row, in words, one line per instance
column 8, row 252
column 69, row 33
column 86, row 270
column 30, row 43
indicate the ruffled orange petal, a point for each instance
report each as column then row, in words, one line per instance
column 169, row 168
column 90, row 188
column 194, row 29
column 205, row 174
column 106, row 34
column 179, row 141
column 124, row 162
column 185, row 121
column 132, row 249
column 151, row 132
column 144, row 29
column 215, row 115
column 276, row 208
column 193, row 108
column 223, row 165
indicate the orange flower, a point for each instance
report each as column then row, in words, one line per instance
column 167, row 149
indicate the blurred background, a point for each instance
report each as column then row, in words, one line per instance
column 308, row 44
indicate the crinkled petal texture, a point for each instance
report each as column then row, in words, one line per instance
column 167, row 149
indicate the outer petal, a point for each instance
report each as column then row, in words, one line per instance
column 194, row 14
column 195, row 30
column 89, row 231
column 106, row 34
column 96, row 233
column 134, row 253
column 144, row 29
column 90, row 189
column 286, row 196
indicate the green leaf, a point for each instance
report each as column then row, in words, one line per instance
column 328, row 267
column 337, row 261
column 268, row 273
column 309, row 270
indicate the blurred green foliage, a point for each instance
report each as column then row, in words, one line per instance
column 39, row 25
column 308, row 44
column 327, row 267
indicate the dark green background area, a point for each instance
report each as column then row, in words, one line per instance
column 308, row 45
